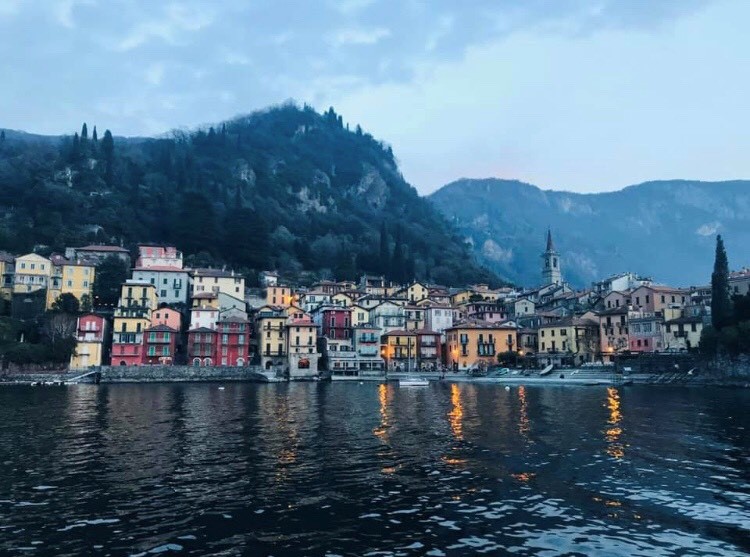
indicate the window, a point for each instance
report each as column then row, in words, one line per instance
column 85, row 284
column 163, row 293
column 152, row 350
column 70, row 284
column 152, row 337
column 165, row 350
column 166, row 337
column 225, row 338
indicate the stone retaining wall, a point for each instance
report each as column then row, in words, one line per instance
column 149, row 374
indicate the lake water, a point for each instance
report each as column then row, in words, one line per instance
column 366, row 469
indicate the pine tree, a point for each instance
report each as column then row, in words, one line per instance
column 721, row 305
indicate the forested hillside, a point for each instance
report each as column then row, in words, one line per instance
column 284, row 188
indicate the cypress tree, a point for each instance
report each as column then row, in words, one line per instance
column 94, row 137
column 108, row 148
column 2, row 136
column 721, row 305
column 84, row 133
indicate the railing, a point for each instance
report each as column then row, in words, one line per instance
column 368, row 338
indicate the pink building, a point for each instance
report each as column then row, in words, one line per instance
column 645, row 331
column 657, row 298
column 152, row 255
column 167, row 316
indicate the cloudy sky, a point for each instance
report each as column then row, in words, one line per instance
column 585, row 95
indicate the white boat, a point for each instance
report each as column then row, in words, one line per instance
column 413, row 382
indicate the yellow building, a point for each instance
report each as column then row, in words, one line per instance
column 414, row 317
column 302, row 347
column 569, row 341
column 683, row 334
column 280, row 296
column 360, row 316
column 399, row 350
column 270, row 325
column 70, row 277
column 461, row 297
column 132, row 318
column 7, row 271
column 32, row 273
column 477, row 344
column 217, row 281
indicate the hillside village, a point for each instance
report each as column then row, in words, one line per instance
column 170, row 314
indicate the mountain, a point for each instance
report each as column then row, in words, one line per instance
column 661, row 229
column 285, row 188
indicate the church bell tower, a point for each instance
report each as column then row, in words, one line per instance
column 551, row 273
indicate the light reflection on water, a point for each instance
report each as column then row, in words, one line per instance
column 615, row 447
column 349, row 469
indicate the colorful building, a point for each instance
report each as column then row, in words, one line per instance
column 70, row 277
column 91, row 334
column 132, row 317
column 32, row 273
column 233, row 341
column 613, row 332
column 270, row 326
column 201, row 346
column 302, row 347
column 477, row 344
column 217, row 280
column 569, row 341
column 160, row 345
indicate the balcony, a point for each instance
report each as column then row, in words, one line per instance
column 367, row 339
column 273, row 353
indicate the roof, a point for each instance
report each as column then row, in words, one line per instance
column 206, row 295
column 685, row 319
column 400, row 333
column 230, row 319
column 113, row 249
column 162, row 327
column 550, row 243
column 7, row 257
column 201, row 330
column 478, row 324
column 214, row 273
column 161, row 268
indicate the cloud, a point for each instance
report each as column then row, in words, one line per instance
column 154, row 73
column 356, row 36
column 708, row 229
column 169, row 26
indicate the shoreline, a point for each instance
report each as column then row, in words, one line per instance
column 572, row 377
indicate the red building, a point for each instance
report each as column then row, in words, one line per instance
column 232, row 342
column 429, row 353
column 160, row 344
column 335, row 323
column 202, row 346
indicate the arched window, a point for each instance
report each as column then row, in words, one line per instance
column 206, row 361
column 240, row 362
column 122, row 363
column 196, row 361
